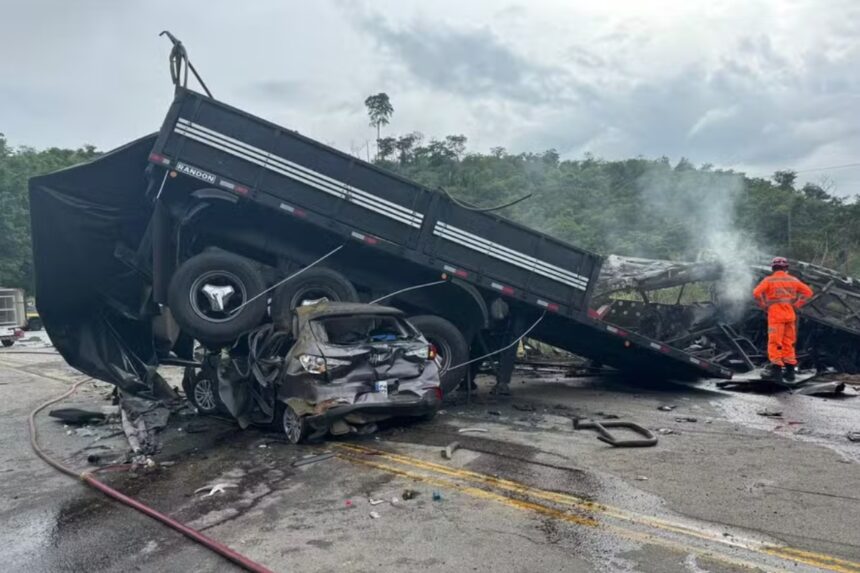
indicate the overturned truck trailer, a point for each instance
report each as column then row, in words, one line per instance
column 183, row 234
column 649, row 297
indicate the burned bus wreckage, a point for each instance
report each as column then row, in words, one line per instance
column 218, row 227
column 685, row 305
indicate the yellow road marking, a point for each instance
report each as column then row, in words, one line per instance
column 815, row 559
column 564, row 516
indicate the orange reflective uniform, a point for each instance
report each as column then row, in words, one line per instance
column 781, row 294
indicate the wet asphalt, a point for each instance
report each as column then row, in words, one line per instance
column 726, row 489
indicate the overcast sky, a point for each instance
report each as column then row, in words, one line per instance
column 751, row 85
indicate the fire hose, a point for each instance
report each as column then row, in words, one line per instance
column 88, row 478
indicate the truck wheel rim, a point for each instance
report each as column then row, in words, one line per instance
column 204, row 396
column 292, row 425
column 201, row 304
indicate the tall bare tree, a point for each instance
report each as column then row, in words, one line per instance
column 379, row 109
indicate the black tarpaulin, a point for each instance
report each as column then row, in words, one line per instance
column 90, row 301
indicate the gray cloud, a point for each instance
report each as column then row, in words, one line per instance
column 760, row 86
column 473, row 62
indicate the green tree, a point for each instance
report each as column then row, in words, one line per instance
column 16, row 167
column 379, row 110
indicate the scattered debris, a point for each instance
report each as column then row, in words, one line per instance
column 666, row 408
column 770, row 413
column 687, row 419
column 195, row 428
column 606, row 416
column 394, row 501
column 523, row 407
column 215, row 488
column 348, row 503
column 648, row 438
column 102, row 458
column 313, row 459
column 666, row 431
column 494, row 413
column 642, row 478
column 77, row 416
column 437, row 496
column 467, row 430
column 853, row 436
column 374, row 515
column 372, row 501
column 410, row 494
column 449, row 450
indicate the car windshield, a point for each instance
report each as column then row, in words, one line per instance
column 360, row 329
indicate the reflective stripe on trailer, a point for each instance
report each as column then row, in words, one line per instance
column 297, row 172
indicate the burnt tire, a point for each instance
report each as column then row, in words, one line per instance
column 451, row 348
column 314, row 283
column 211, row 320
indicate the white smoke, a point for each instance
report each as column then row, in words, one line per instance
column 703, row 205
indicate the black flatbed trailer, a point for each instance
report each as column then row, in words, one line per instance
column 290, row 198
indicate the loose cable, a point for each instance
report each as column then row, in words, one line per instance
column 485, row 356
column 389, row 295
column 292, row 276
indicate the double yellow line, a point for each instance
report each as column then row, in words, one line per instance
column 577, row 510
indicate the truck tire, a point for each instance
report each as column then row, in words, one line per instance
column 451, row 348
column 314, row 283
column 7, row 342
column 205, row 292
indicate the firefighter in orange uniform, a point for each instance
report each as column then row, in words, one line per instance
column 781, row 294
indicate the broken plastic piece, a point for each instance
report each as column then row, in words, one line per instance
column 449, row 450
column 467, row 430
column 648, row 439
column 770, row 413
column 374, row 515
column 215, row 488
column 76, row 415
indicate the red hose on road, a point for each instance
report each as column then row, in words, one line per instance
column 89, row 479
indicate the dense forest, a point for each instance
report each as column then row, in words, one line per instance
column 637, row 207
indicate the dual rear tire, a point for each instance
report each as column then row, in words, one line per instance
column 217, row 296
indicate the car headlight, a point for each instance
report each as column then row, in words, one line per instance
column 313, row 364
column 319, row 365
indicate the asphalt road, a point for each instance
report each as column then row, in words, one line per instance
column 730, row 491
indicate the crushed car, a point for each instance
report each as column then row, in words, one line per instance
column 337, row 368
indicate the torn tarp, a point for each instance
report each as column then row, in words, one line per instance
column 91, row 302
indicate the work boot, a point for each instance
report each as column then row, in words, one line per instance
column 772, row 373
column 788, row 374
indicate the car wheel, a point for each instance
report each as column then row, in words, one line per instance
column 451, row 348
column 294, row 425
column 7, row 343
column 202, row 392
column 212, row 297
column 313, row 284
